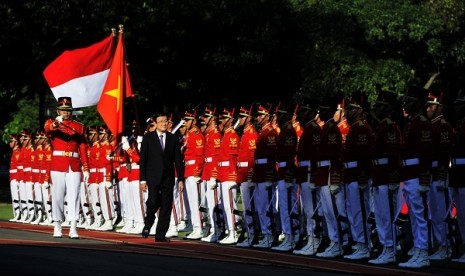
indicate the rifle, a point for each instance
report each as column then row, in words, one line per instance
column 178, row 126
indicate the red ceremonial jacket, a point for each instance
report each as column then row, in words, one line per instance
column 212, row 151
column 14, row 163
column 386, row 152
column 307, row 150
column 286, row 150
column 69, row 146
column 245, row 158
column 265, row 155
column 193, row 147
column 227, row 159
column 329, row 156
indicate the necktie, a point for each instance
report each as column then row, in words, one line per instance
column 161, row 142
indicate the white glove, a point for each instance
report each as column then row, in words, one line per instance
column 85, row 176
column 423, row 188
column 212, row 183
column 334, row 189
column 126, row 145
column 59, row 119
column 109, row 158
column 139, row 139
column 233, row 186
column 124, row 139
column 46, row 185
column 108, row 184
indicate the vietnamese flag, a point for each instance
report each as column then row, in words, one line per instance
column 81, row 73
column 117, row 87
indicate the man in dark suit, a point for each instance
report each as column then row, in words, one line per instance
column 160, row 156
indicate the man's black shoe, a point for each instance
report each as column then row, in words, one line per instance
column 145, row 233
column 162, row 240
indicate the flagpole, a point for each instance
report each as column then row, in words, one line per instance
column 136, row 111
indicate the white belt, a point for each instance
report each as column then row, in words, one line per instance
column 93, row 170
column 13, row 171
column 134, row 167
column 434, row 164
column 27, row 169
column 304, row 163
column 261, row 161
column 43, row 171
column 20, row 167
column 458, row 161
column 189, row 162
column 65, row 153
column 35, row 170
column 223, row 164
column 102, row 170
column 282, row 164
column 411, row 162
column 350, row 165
column 381, row 161
column 242, row 164
column 324, row 163
column 208, row 159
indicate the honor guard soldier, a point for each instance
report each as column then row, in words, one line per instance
column 46, row 184
column 264, row 175
column 357, row 157
column 193, row 148
column 227, row 173
column 245, row 164
column 416, row 157
column 286, row 150
column 27, row 150
column 106, row 188
column 439, row 198
column 14, row 179
column 37, row 164
column 385, row 175
column 69, row 158
column 328, row 178
column 457, row 170
column 210, row 175
column 93, row 156
column 307, row 150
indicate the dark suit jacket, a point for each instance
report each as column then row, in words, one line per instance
column 154, row 161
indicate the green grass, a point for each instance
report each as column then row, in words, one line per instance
column 6, row 212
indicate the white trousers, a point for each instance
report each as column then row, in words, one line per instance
column 214, row 203
column 85, row 201
column 38, row 197
column 438, row 209
column 287, row 200
column 229, row 195
column 23, row 197
column 247, row 191
column 95, row 200
column 135, row 201
column 65, row 183
column 30, row 198
column 107, row 201
column 384, row 225
column 46, row 197
column 15, row 200
column 328, row 211
column 193, row 198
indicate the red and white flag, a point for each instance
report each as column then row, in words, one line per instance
column 81, row 73
column 117, row 87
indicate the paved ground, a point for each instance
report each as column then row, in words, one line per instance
column 27, row 249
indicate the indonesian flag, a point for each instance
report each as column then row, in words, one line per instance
column 81, row 73
column 117, row 87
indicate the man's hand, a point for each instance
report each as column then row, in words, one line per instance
column 334, row 188
column 108, row 184
column 180, row 186
column 212, row 183
column 143, row 186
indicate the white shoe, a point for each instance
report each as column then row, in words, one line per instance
column 121, row 223
column 287, row 244
column 420, row 259
column 332, row 251
column 47, row 221
column 460, row 260
column 247, row 242
column 97, row 223
column 38, row 219
column 310, row 248
column 196, row 234
column 73, row 234
column 57, row 230
column 281, row 237
column 266, row 242
column 127, row 227
column 212, row 237
column 23, row 217
column 30, row 219
column 16, row 217
column 443, row 253
column 231, row 238
column 153, row 230
column 66, row 223
column 361, row 252
column 107, row 226
column 172, row 232
column 184, row 226
column 136, row 229
column 388, row 256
